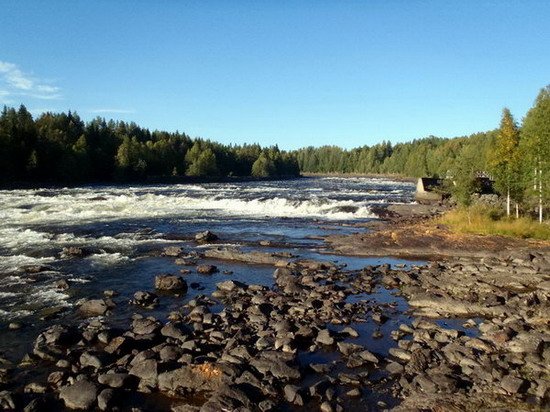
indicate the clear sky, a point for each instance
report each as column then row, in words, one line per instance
column 294, row 72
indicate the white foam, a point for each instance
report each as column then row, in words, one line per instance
column 107, row 259
column 10, row 264
column 49, row 295
column 8, row 294
column 14, row 314
column 78, row 280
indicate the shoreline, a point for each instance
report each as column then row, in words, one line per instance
column 408, row 231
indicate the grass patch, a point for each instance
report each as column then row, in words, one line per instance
column 490, row 221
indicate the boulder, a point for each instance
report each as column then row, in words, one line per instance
column 206, row 269
column 172, row 251
column 94, row 307
column 170, row 283
column 80, row 395
column 145, row 299
column 204, row 377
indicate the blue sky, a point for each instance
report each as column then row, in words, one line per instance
column 294, row 73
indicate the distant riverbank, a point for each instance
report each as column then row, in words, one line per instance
column 394, row 177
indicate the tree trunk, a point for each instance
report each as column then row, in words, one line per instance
column 508, row 203
column 540, row 194
column 517, row 210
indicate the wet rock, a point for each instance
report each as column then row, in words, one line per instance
column 172, row 251
column 15, row 325
column 249, row 257
column 206, row 269
column 348, row 348
column 62, row 284
column 205, row 237
column 170, row 283
column 231, row 286
column 349, row 331
column 80, row 395
column 324, row 337
column 110, row 293
column 76, row 252
column 145, row 299
column 94, row 307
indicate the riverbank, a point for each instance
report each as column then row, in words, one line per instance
column 411, row 231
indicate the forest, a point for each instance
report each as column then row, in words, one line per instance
column 62, row 148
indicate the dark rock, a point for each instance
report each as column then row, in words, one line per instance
column 145, row 299
column 202, row 377
column 62, row 284
column 145, row 326
column 110, row 293
column 114, row 380
column 292, row 395
column 206, row 237
column 147, row 371
column 172, row 251
column 170, row 283
column 513, row 385
column 105, row 399
column 324, row 338
column 177, row 332
column 94, row 307
column 89, row 359
column 80, row 395
column 206, row 269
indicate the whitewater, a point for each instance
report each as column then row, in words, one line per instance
column 124, row 226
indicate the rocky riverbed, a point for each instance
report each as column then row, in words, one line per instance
column 477, row 339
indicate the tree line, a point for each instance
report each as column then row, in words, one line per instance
column 516, row 157
column 61, row 148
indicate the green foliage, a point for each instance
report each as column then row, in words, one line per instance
column 204, row 164
column 535, row 147
column 504, row 160
column 263, row 166
column 60, row 147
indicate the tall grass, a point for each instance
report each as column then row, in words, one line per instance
column 483, row 220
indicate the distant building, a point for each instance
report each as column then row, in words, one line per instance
column 429, row 190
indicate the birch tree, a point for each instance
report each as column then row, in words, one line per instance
column 535, row 144
column 504, row 159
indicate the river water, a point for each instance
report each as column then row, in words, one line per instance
column 125, row 228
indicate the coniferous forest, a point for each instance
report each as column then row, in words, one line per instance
column 61, row 148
